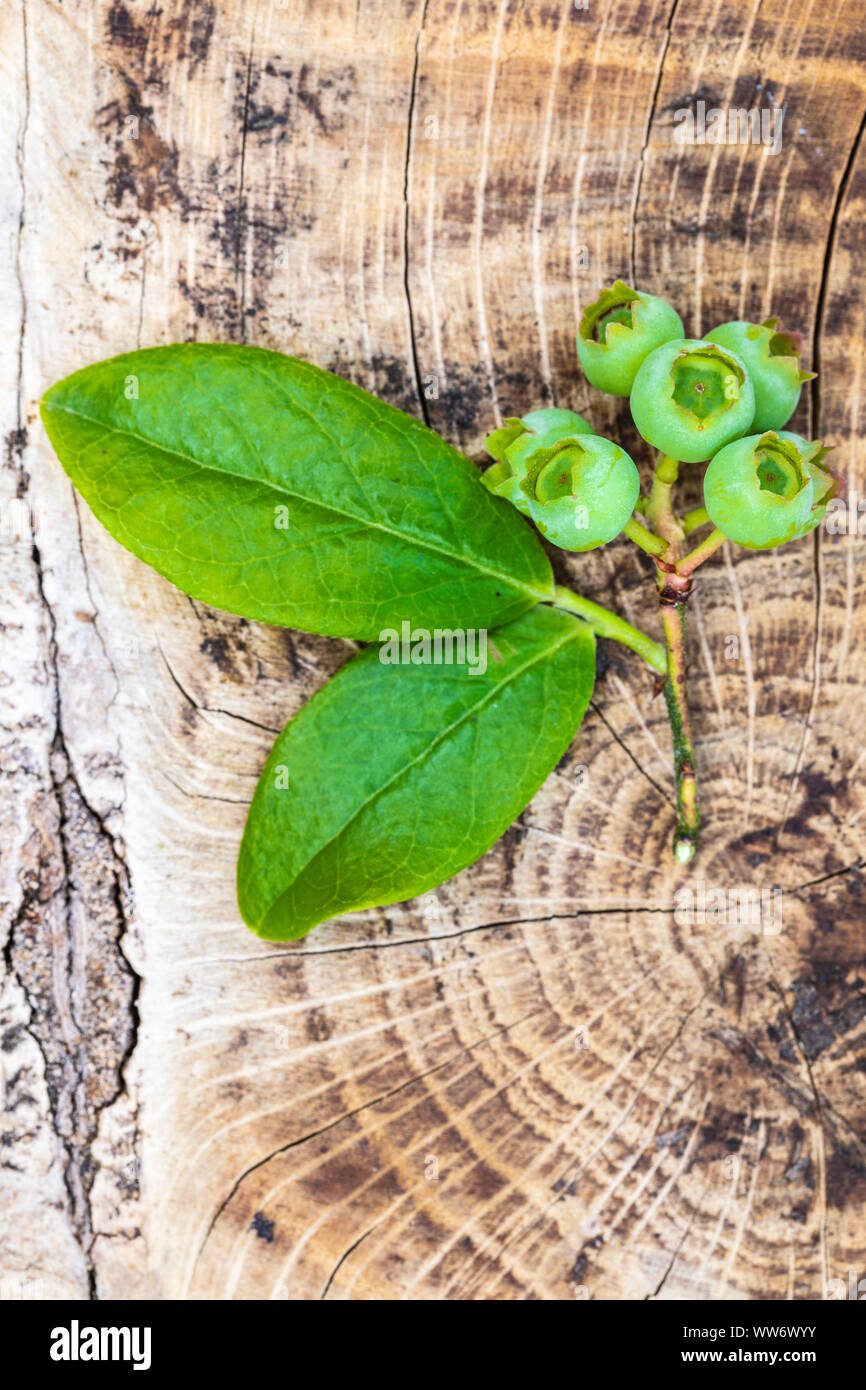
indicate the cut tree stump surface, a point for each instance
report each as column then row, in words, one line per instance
column 538, row 1081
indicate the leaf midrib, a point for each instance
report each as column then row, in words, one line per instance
column 473, row 710
column 538, row 594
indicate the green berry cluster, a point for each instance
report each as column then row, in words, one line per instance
column 721, row 399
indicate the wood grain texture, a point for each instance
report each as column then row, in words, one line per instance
column 540, row 1081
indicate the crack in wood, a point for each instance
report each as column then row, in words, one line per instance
column 820, row 308
column 72, row 916
column 617, row 738
column 343, row 1258
column 84, row 920
column 646, row 136
column 239, row 221
column 419, row 381
column 348, row 1115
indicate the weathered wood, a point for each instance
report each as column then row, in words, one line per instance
column 538, row 1081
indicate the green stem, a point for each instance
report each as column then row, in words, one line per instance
column 659, row 511
column 607, row 624
column 700, row 553
column 692, row 520
column 653, row 545
column 674, row 690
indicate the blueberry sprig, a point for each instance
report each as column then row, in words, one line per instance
column 267, row 487
column 721, row 400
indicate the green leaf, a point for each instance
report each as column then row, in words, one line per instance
column 278, row 491
column 394, row 777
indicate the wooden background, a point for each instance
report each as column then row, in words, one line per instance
column 535, row 1082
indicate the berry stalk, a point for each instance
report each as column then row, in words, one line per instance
column 641, row 536
column 701, row 552
column 693, row 520
column 659, row 508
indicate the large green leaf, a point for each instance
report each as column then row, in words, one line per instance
column 273, row 489
column 394, row 777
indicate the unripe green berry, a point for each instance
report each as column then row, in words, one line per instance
column 583, row 493
column 759, row 491
column 826, row 484
column 691, row 397
column 618, row 331
column 553, row 423
column 772, row 360
column 517, row 443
